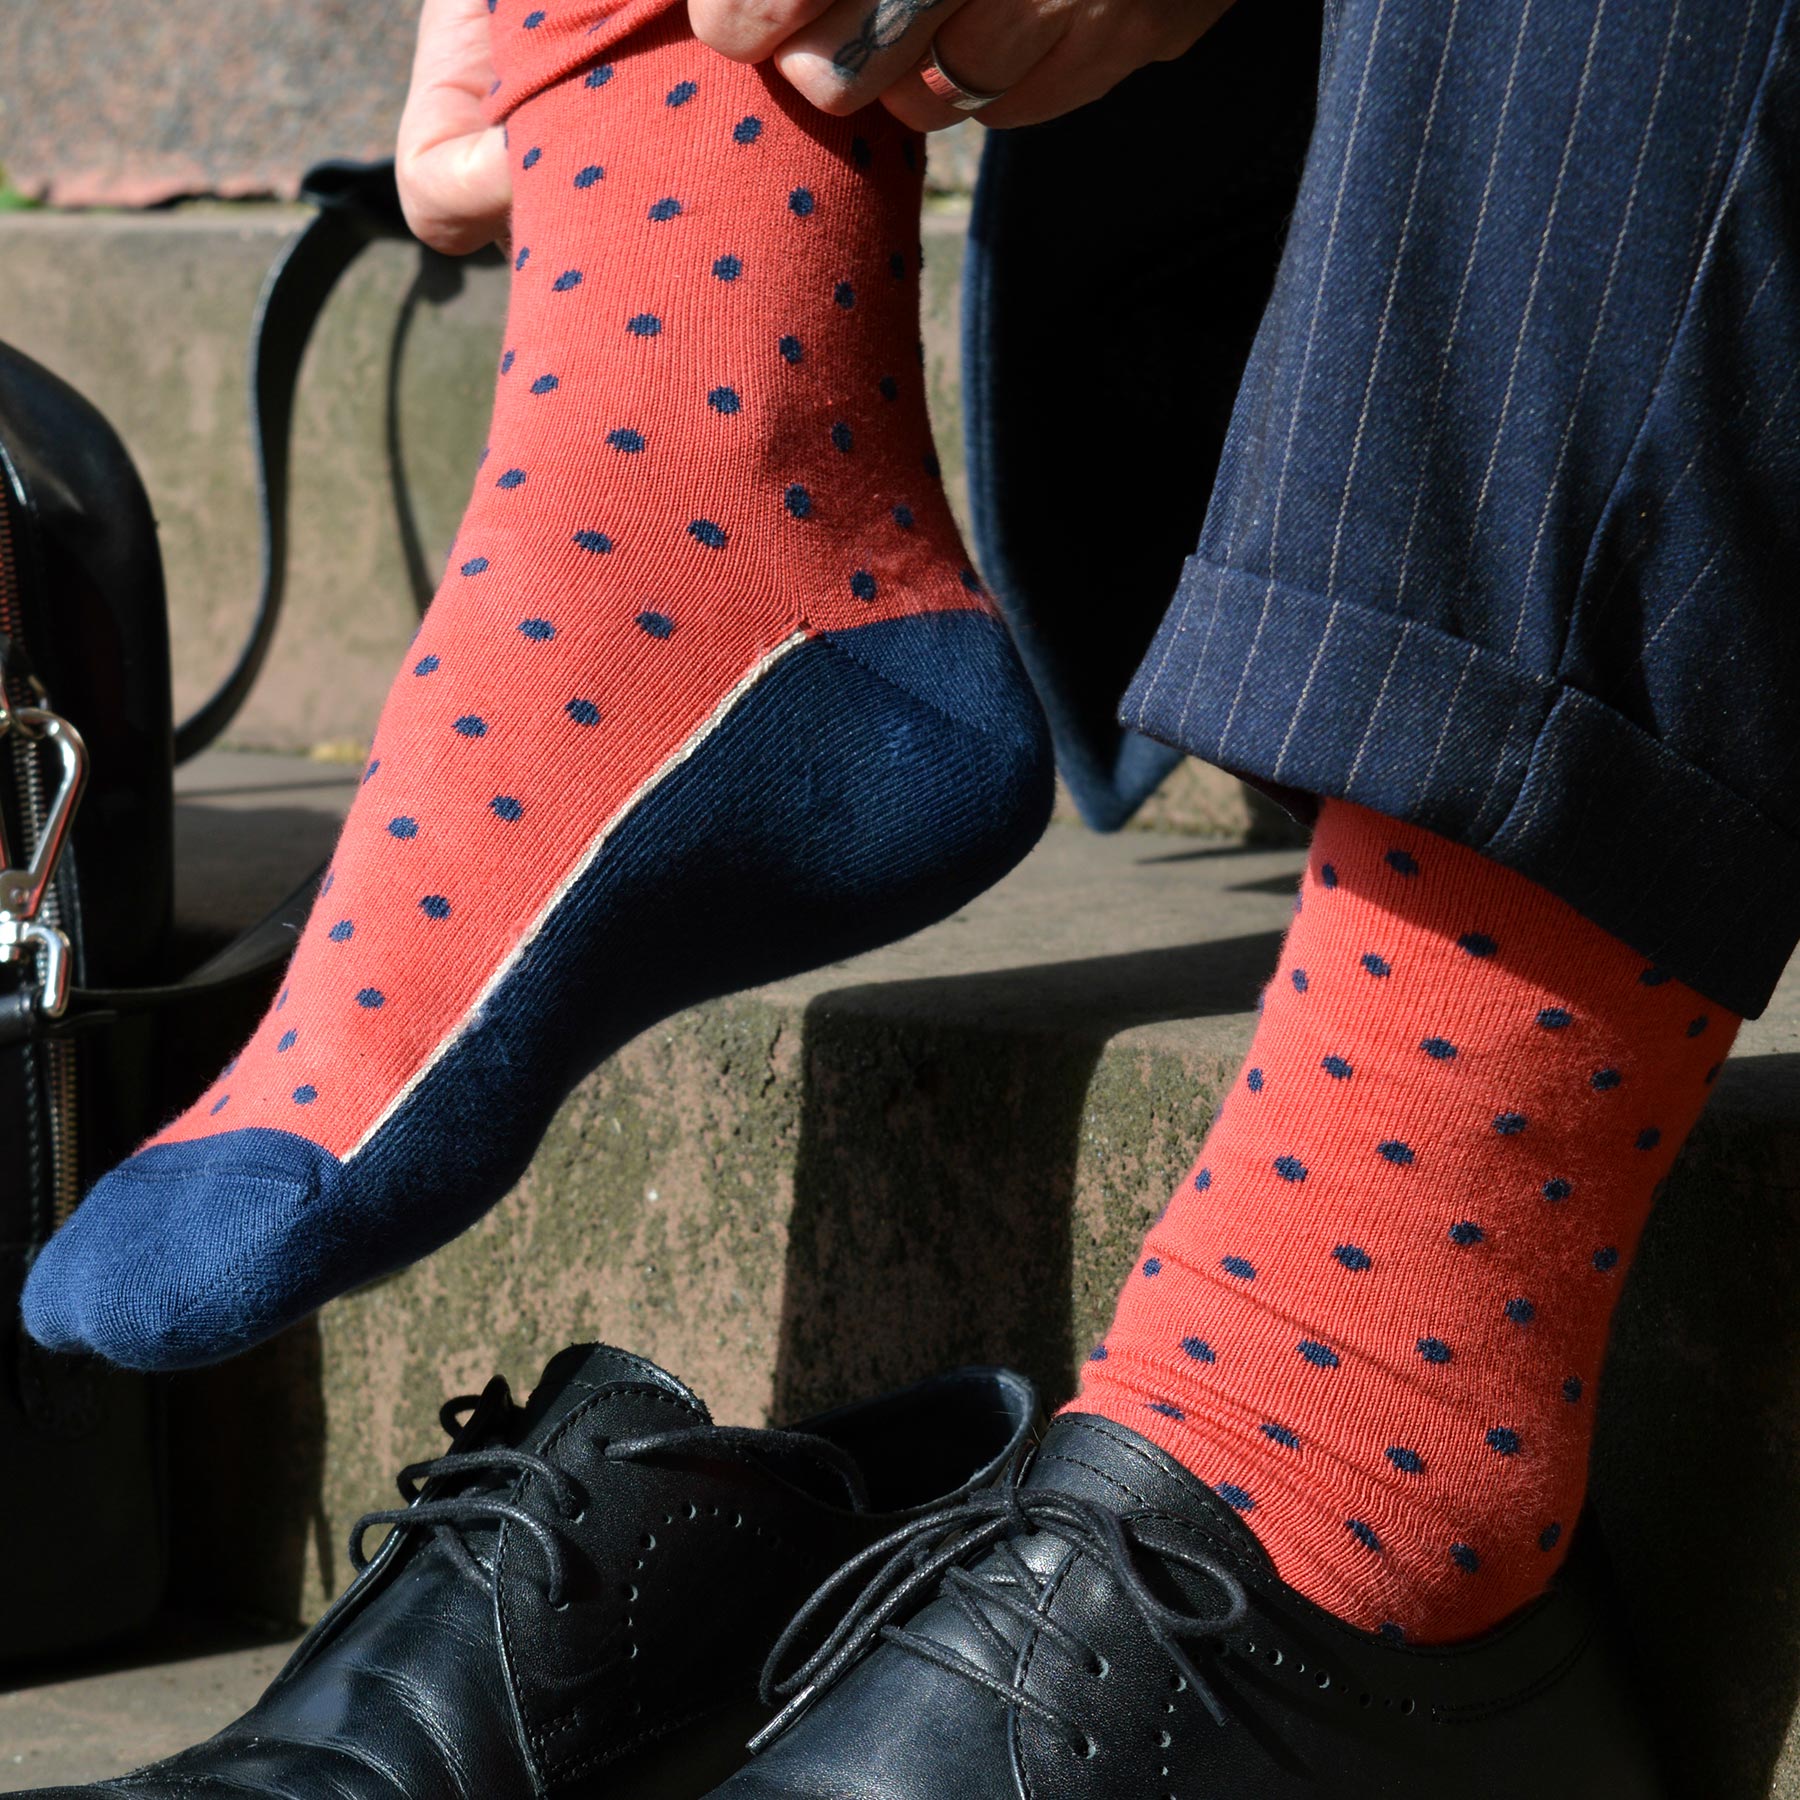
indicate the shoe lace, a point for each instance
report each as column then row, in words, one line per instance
column 448, row 1516
column 929, row 1555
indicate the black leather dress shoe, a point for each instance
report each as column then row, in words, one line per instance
column 578, row 1598
column 1108, row 1630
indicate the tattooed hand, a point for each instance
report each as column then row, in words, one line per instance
column 1046, row 57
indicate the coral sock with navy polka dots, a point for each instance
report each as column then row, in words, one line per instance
column 1373, row 1317
column 709, row 694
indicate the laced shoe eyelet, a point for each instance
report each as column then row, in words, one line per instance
column 1100, row 1668
column 1084, row 1748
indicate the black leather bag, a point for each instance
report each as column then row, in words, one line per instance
column 100, row 1036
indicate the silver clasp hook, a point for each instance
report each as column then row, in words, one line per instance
column 22, row 932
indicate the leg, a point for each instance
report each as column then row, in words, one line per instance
column 709, row 693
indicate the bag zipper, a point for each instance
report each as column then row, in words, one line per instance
column 61, row 1070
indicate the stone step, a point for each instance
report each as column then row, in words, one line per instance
column 948, row 1150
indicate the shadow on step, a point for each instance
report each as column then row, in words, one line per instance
column 1697, row 1459
column 935, row 1182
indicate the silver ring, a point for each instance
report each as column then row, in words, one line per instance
column 948, row 89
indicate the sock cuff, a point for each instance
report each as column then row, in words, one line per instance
column 536, row 43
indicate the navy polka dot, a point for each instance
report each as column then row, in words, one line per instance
column 583, row 712
column 1364, row 1535
column 890, row 388
column 1375, row 965
column 1234, row 1496
column 219, row 1105
column 661, row 211
column 1477, row 943
column 586, row 178
column 1401, row 863
column 728, row 268
column 1236, row 1265
column 1571, row 1389
column 1254, row 1081
column 860, row 152
column 1408, row 1462
column 1557, row 1189
column 798, row 501
column 1654, row 977
column 1465, row 1558
column 1199, row 1349
column 1696, row 1026
column 931, row 465
column 533, row 20
column 862, row 585
column 1328, row 875
column 1712, row 1074
column 595, row 541
column 1605, row 1080
column 1439, row 1049
column 504, row 806
column 476, row 565
column 1392, row 1633
column 286, row 1042
column 522, row 258
column 1321, row 1356
column 1509, row 1124
column 435, row 906
column 305, row 1094
column 342, row 932
column 600, row 76
column 704, row 531
column 1606, row 1259
column 1299, row 980
column 1337, row 1068
column 506, row 362
column 1152, row 1265
column 1466, row 1232
column 791, row 350
column 538, row 630
column 1290, row 1168
column 681, row 93
column 747, row 130
column 844, row 295
column 903, row 517
column 842, row 438
column 1521, row 1312
column 1434, row 1350
column 513, row 478
column 725, row 400
column 370, row 998
column 1554, row 1018
column 1503, row 1441
column 657, row 625
column 1280, row 1434
column 1353, row 1258
column 569, row 278
column 626, row 440
column 403, row 828
column 897, row 266
column 426, row 665
column 1396, row 1152
column 1649, row 1138
column 1097, row 1354
column 645, row 325
column 1202, row 1180
column 1549, row 1537
column 470, row 726
column 801, row 203
column 1163, row 1407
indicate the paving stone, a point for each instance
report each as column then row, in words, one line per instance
column 949, row 1150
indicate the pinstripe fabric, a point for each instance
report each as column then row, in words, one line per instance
column 1508, row 517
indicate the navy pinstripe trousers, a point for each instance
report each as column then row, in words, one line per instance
column 1506, row 534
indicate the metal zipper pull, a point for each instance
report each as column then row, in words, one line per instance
column 22, row 891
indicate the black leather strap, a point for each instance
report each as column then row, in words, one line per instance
column 357, row 203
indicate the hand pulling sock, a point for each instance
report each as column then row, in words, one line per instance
column 709, row 694
column 1373, row 1317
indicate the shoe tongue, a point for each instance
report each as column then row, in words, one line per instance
column 638, row 1395
column 1088, row 1456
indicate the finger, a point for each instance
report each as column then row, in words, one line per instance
column 750, row 30
column 455, row 188
column 990, row 48
column 1092, row 57
column 858, row 49
column 457, row 195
